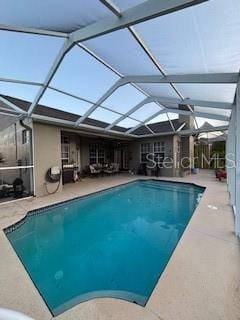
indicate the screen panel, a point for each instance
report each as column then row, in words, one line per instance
column 5, row 122
column 159, row 89
column 200, row 39
column 127, row 4
column 128, row 123
column 21, row 91
column 83, row 75
column 208, row 92
column 123, row 53
column 26, row 56
column 215, row 123
column 172, row 115
column 146, row 111
column 64, row 16
column 124, row 98
column 159, row 118
column 104, row 115
column 63, row 102
column 213, row 111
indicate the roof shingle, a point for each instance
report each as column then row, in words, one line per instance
column 158, row 127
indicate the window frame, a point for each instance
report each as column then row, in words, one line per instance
column 25, row 136
column 99, row 153
column 65, row 154
column 159, row 148
column 156, row 148
column 144, row 151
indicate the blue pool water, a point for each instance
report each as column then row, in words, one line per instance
column 115, row 243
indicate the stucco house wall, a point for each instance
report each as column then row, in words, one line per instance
column 170, row 149
column 46, row 154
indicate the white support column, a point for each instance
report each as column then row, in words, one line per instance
column 237, row 177
column 230, row 158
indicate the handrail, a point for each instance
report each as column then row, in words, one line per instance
column 7, row 314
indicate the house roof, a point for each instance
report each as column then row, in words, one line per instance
column 158, row 127
column 211, row 136
column 206, row 125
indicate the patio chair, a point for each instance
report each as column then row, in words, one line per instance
column 5, row 190
column 115, row 167
column 18, row 188
column 108, row 170
column 93, row 170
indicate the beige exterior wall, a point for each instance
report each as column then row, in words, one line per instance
column 187, row 151
column 84, row 151
column 135, row 148
column 47, row 153
column 79, row 149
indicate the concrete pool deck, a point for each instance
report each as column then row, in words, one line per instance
column 201, row 280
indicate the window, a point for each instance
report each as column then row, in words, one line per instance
column 65, row 149
column 24, row 136
column 159, row 146
column 159, row 151
column 92, row 154
column 96, row 154
column 101, row 154
column 145, row 150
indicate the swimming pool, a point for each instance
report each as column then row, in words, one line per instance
column 114, row 243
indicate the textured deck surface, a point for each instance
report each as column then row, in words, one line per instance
column 201, row 280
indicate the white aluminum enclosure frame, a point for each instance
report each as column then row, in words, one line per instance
column 127, row 20
column 190, row 78
column 148, row 10
column 233, row 160
column 143, row 12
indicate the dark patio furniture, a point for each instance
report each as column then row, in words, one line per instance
column 95, row 170
column 18, row 188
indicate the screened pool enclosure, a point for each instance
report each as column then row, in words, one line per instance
column 128, row 63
